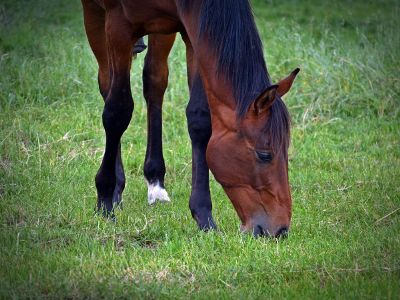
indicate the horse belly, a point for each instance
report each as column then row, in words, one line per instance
column 152, row 16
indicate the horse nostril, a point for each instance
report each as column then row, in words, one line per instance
column 261, row 231
column 258, row 231
column 282, row 232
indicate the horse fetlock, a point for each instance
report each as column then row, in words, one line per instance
column 105, row 185
column 154, row 170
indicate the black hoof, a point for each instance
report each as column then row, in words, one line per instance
column 107, row 208
column 207, row 226
column 139, row 47
column 105, row 213
column 117, row 199
column 205, row 221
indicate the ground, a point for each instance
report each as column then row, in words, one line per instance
column 344, row 166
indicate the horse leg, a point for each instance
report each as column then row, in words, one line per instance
column 155, row 81
column 199, row 127
column 94, row 19
column 118, row 108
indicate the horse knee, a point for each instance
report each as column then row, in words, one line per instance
column 199, row 125
column 198, row 113
column 117, row 112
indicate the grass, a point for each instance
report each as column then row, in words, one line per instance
column 344, row 166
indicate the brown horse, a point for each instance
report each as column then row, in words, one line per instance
column 238, row 124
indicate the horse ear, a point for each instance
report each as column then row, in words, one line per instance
column 286, row 83
column 265, row 99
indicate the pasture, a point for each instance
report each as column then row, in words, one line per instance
column 344, row 165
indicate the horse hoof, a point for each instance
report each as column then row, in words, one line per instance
column 205, row 223
column 139, row 47
column 105, row 213
column 156, row 192
column 209, row 226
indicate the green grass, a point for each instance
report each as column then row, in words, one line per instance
column 344, row 166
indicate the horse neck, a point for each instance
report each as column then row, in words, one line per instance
column 246, row 69
column 219, row 92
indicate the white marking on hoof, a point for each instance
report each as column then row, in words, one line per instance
column 155, row 191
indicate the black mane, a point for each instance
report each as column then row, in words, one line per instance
column 230, row 26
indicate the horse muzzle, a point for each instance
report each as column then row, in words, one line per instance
column 259, row 226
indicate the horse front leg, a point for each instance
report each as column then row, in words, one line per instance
column 199, row 127
column 117, row 113
column 155, row 81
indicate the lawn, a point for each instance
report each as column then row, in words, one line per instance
column 344, row 164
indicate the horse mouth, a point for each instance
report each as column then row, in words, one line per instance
column 261, row 230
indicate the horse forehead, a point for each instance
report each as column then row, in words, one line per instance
column 253, row 130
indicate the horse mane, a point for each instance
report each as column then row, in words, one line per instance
column 230, row 26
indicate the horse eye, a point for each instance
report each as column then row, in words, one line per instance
column 264, row 156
